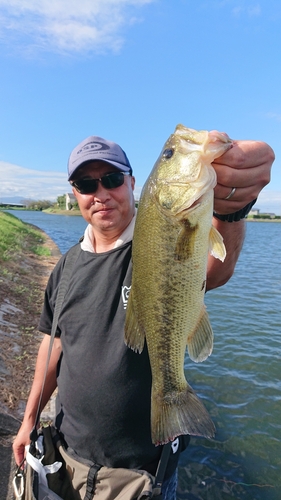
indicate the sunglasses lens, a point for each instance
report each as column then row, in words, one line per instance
column 86, row 186
column 109, row 181
column 113, row 180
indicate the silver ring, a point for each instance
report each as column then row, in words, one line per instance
column 230, row 194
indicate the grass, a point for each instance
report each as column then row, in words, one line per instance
column 60, row 211
column 26, row 260
column 16, row 235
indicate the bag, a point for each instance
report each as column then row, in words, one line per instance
column 52, row 473
column 44, row 476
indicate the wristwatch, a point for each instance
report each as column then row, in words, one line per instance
column 236, row 216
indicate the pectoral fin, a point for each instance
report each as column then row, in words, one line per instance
column 216, row 244
column 134, row 334
column 200, row 342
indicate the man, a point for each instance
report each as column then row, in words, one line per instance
column 103, row 402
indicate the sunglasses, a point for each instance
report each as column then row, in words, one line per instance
column 108, row 181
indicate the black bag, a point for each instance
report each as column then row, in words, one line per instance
column 45, row 476
column 52, row 473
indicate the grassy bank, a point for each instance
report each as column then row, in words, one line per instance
column 58, row 211
column 16, row 236
column 27, row 256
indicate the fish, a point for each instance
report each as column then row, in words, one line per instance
column 172, row 238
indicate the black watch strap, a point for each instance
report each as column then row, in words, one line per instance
column 236, row 216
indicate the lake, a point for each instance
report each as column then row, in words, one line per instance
column 241, row 381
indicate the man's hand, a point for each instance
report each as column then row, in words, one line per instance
column 246, row 167
column 22, row 439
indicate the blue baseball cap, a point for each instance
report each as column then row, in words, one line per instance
column 96, row 148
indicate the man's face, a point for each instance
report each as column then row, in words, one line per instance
column 107, row 210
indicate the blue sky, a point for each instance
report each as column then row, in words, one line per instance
column 130, row 70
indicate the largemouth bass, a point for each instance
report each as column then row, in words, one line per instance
column 172, row 237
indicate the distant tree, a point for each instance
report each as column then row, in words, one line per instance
column 75, row 205
column 61, row 202
column 262, row 216
column 26, row 202
column 38, row 204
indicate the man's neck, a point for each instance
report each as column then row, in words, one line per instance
column 103, row 243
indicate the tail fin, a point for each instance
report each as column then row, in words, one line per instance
column 179, row 413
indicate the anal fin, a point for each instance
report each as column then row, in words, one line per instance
column 200, row 342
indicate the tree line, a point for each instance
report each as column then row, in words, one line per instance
column 60, row 203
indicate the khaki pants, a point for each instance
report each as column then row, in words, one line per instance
column 107, row 483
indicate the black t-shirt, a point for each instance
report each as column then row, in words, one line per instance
column 104, row 388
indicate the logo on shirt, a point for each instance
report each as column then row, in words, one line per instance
column 175, row 445
column 125, row 295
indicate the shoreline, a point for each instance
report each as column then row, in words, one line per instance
column 22, row 289
column 262, row 220
column 77, row 213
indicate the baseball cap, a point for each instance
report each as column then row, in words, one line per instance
column 96, row 148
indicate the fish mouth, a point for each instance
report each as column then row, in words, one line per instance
column 198, row 140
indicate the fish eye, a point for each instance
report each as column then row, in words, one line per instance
column 168, row 153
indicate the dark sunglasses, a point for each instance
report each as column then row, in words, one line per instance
column 108, row 181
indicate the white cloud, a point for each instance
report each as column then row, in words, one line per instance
column 254, row 11
column 31, row 184
column 249, row 10
column 66, row 26
column 274, row 116
column 236, row 11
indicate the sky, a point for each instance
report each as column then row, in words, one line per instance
column 130, row 71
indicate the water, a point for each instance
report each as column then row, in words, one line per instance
column 240, row 383
column 65, row 230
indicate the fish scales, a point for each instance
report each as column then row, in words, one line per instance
column 172, row 237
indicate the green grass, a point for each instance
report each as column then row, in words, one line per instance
column 16, row 235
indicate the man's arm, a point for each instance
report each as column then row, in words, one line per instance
column 246, row 167
column 22, row 439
